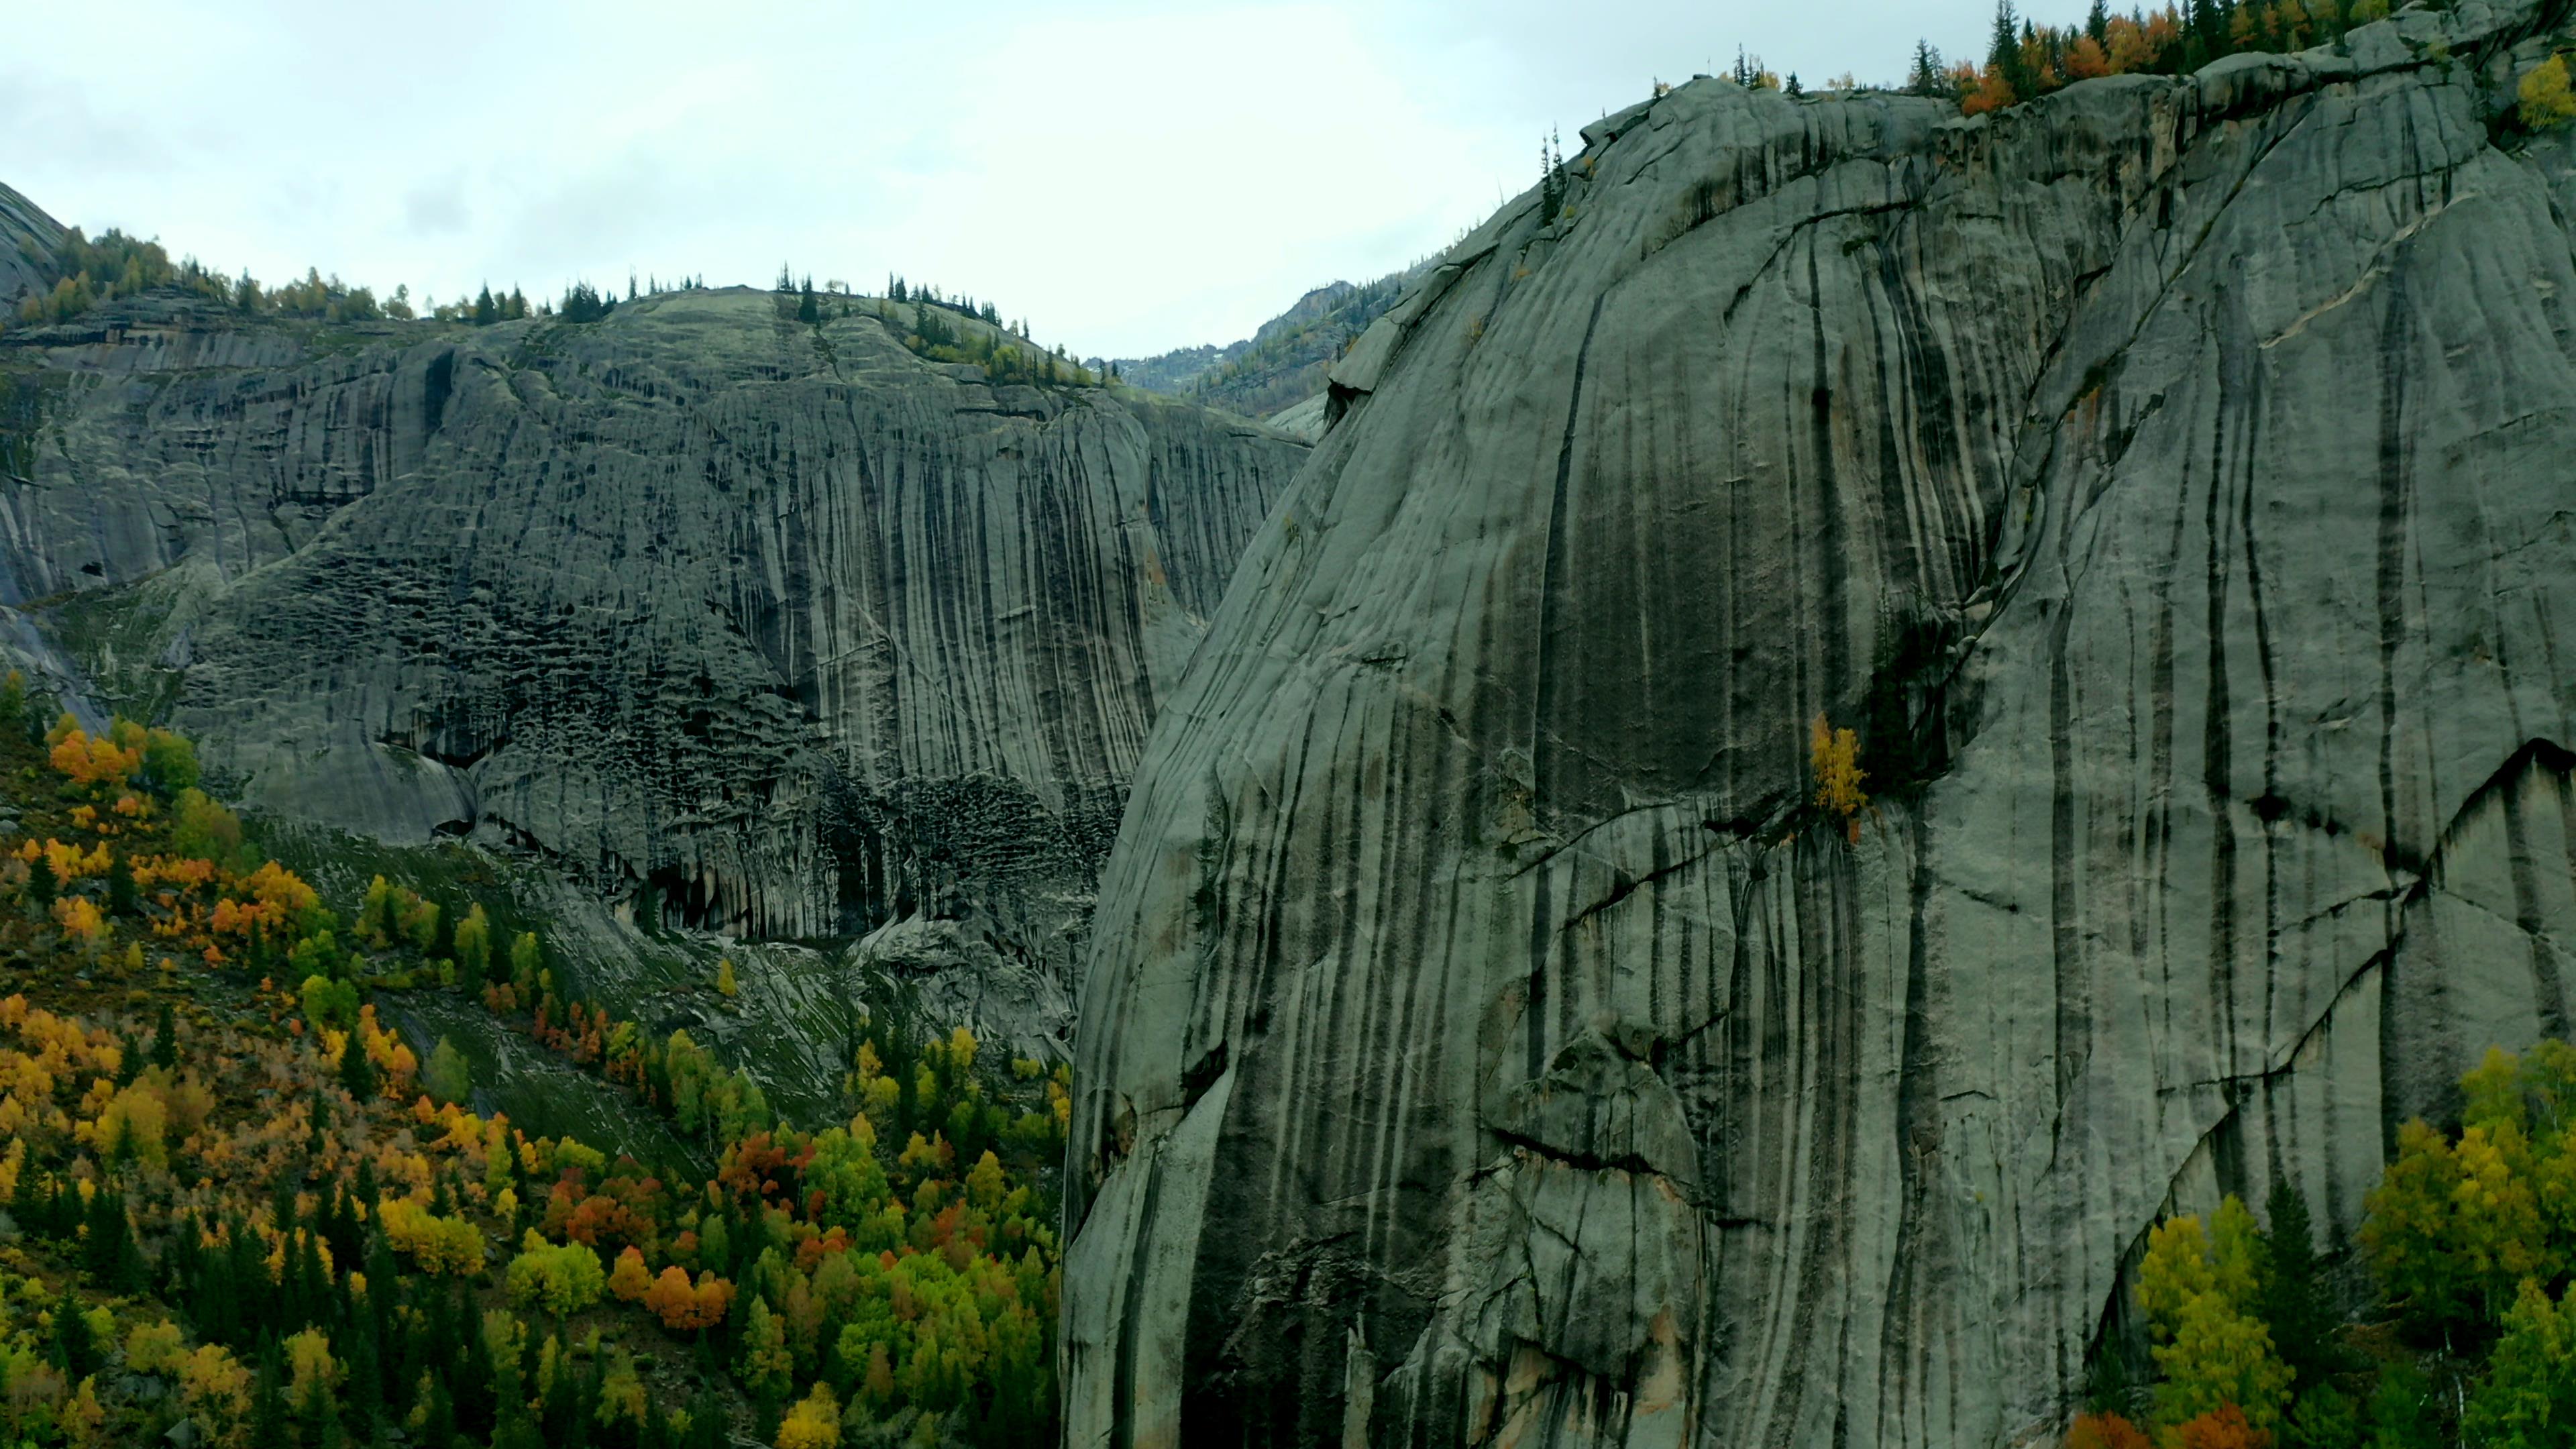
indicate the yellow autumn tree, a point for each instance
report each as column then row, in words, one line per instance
column 214, row 1385
column 2198, row 1291
column 91, row 761
column 1834, row 757
column 630, row 1279
column 561, row 1280
column 2545, row 97
column 725, row 982
column 153, row 1347
column 311, row 1371
column 815, row 1422
column 437, row 1244
column 133, row 1125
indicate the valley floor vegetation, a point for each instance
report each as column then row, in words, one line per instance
column 2470, row 1243
column 236, row 1202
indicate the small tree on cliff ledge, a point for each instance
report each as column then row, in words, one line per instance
column 1834, row 756
column 2545, row 98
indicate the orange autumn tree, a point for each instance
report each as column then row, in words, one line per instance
column 93, row 762
column 683, row 1308
column 2105, row 1431
column 2224, row 1427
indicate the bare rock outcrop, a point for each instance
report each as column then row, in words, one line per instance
column 1488, row 1040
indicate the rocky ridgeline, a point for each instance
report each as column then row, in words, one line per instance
column 1278, row 373
column 28, row 238
column 742, row 624
column 1488, row 1040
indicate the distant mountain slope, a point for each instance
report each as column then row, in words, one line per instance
column 1280, row 365
column 28, row 238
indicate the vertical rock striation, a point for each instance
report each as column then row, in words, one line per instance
column 768, row 628
column 1485, row 1041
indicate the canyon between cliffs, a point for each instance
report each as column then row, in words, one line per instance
column 1481, row 1033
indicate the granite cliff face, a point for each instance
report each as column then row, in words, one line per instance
column 758, row 627
column 1486, row 1041
column 28, row 238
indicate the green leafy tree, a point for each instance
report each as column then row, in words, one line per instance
column 447, row 1078
column 474, row 943
column 376, row 914
column 527, row 961
column 562, row 1280
column 169, row 762
column 767, row 1368
column 329, row 1003
column 2324, row 1417
column 2403, row 1413
column 2528, row 1399
column 199, row 827
column 416, row 920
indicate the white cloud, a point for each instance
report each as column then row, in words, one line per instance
column 1131, row 175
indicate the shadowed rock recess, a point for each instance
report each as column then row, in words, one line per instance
column 753, row 626
column 1486, row 1042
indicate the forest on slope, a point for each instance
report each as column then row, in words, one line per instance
column 237, row 1201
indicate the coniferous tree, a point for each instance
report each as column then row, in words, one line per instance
column 357, row 1073
column 2004, row 53
column 70, row 1344
column 438, row 1420
column 2293, row 1301
column 42, row 885
column 165, row 1038
column 2097, row 23
column 268, row 1397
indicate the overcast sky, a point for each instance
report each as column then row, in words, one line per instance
column 1129, row 176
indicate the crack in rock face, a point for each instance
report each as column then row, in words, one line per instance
column 1485, row 1042
column 756, row 628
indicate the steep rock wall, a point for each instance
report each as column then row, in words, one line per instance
column 747, row 625
column 1486, row 1041
column 27, row 241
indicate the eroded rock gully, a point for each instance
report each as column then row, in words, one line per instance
column 1484, row 1042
